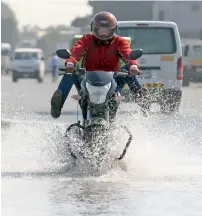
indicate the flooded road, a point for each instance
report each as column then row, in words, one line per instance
column 164, row 161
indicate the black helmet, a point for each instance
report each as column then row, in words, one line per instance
column 104, row 25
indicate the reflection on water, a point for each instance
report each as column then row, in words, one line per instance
column 107, row 195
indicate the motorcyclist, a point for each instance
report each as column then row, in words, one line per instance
column 101, row 50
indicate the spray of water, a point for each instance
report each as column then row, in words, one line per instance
column 163, row 146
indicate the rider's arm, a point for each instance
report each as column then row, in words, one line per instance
column 124, row 51
column 79, row 49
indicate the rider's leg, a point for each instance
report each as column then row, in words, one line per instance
column 60, row 95
column 121, row 81
column 77, row 81
column 62, row 92
column 133, row 84
column 139, row 93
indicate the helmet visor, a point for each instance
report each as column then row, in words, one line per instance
column 104, row 33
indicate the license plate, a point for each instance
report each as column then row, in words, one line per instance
column 126, row 86
column 153, row 85
column 145, row 74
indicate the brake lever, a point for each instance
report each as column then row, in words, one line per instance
column 140, row 73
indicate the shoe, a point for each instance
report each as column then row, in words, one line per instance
column 56, row 104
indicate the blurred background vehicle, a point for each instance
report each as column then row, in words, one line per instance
column 192, row 59
column 5, row 58
column 28, row 63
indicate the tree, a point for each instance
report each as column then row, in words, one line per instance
column 81, row 21
column 9, row 26
column 50, row 40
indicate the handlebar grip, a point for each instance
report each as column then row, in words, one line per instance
column 122, row 73
column 80, row 71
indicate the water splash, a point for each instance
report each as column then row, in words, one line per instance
column 162, row 145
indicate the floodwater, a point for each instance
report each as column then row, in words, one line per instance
column 164, row 175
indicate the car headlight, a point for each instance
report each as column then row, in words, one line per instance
column 98, row 94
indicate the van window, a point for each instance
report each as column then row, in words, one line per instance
column 153, row 40
column 197, row 50
column 26, row 55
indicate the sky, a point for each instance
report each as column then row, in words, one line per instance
column 48, row 12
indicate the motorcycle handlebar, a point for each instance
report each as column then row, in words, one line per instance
column 79, row 71
column 123, row 73
column 82, row 70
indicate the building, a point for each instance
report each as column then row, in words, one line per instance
column 187, row 14
column 125, row 10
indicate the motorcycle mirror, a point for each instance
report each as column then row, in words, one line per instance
column 63, row 53
column 135, row 54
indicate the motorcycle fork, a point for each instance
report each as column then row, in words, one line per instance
column 113, row 107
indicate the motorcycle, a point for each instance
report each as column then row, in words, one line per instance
column 98, row 97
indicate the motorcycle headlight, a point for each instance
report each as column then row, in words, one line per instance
column 98, row 94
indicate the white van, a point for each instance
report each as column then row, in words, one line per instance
column 192, row 58
column 161, row 61
column 28, row 63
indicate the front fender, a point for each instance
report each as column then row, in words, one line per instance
column 99, row 121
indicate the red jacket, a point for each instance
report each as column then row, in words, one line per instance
column 101, row 57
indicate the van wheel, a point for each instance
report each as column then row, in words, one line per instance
column 14, row 79
column 174, row 108
column 170, row 107
column 186, row 81
column 171, row 102
column 40, row 80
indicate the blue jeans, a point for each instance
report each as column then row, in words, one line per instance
column 132, row 82
column 69, row 79
column 54, row 71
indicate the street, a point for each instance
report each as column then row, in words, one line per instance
column 164, row 160
column 31, row 96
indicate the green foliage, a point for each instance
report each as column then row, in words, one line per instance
column 9, row 26
column 81, row 21
column 49, row 41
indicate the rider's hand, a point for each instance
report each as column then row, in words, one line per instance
column 70, row 67
column 133, row 70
